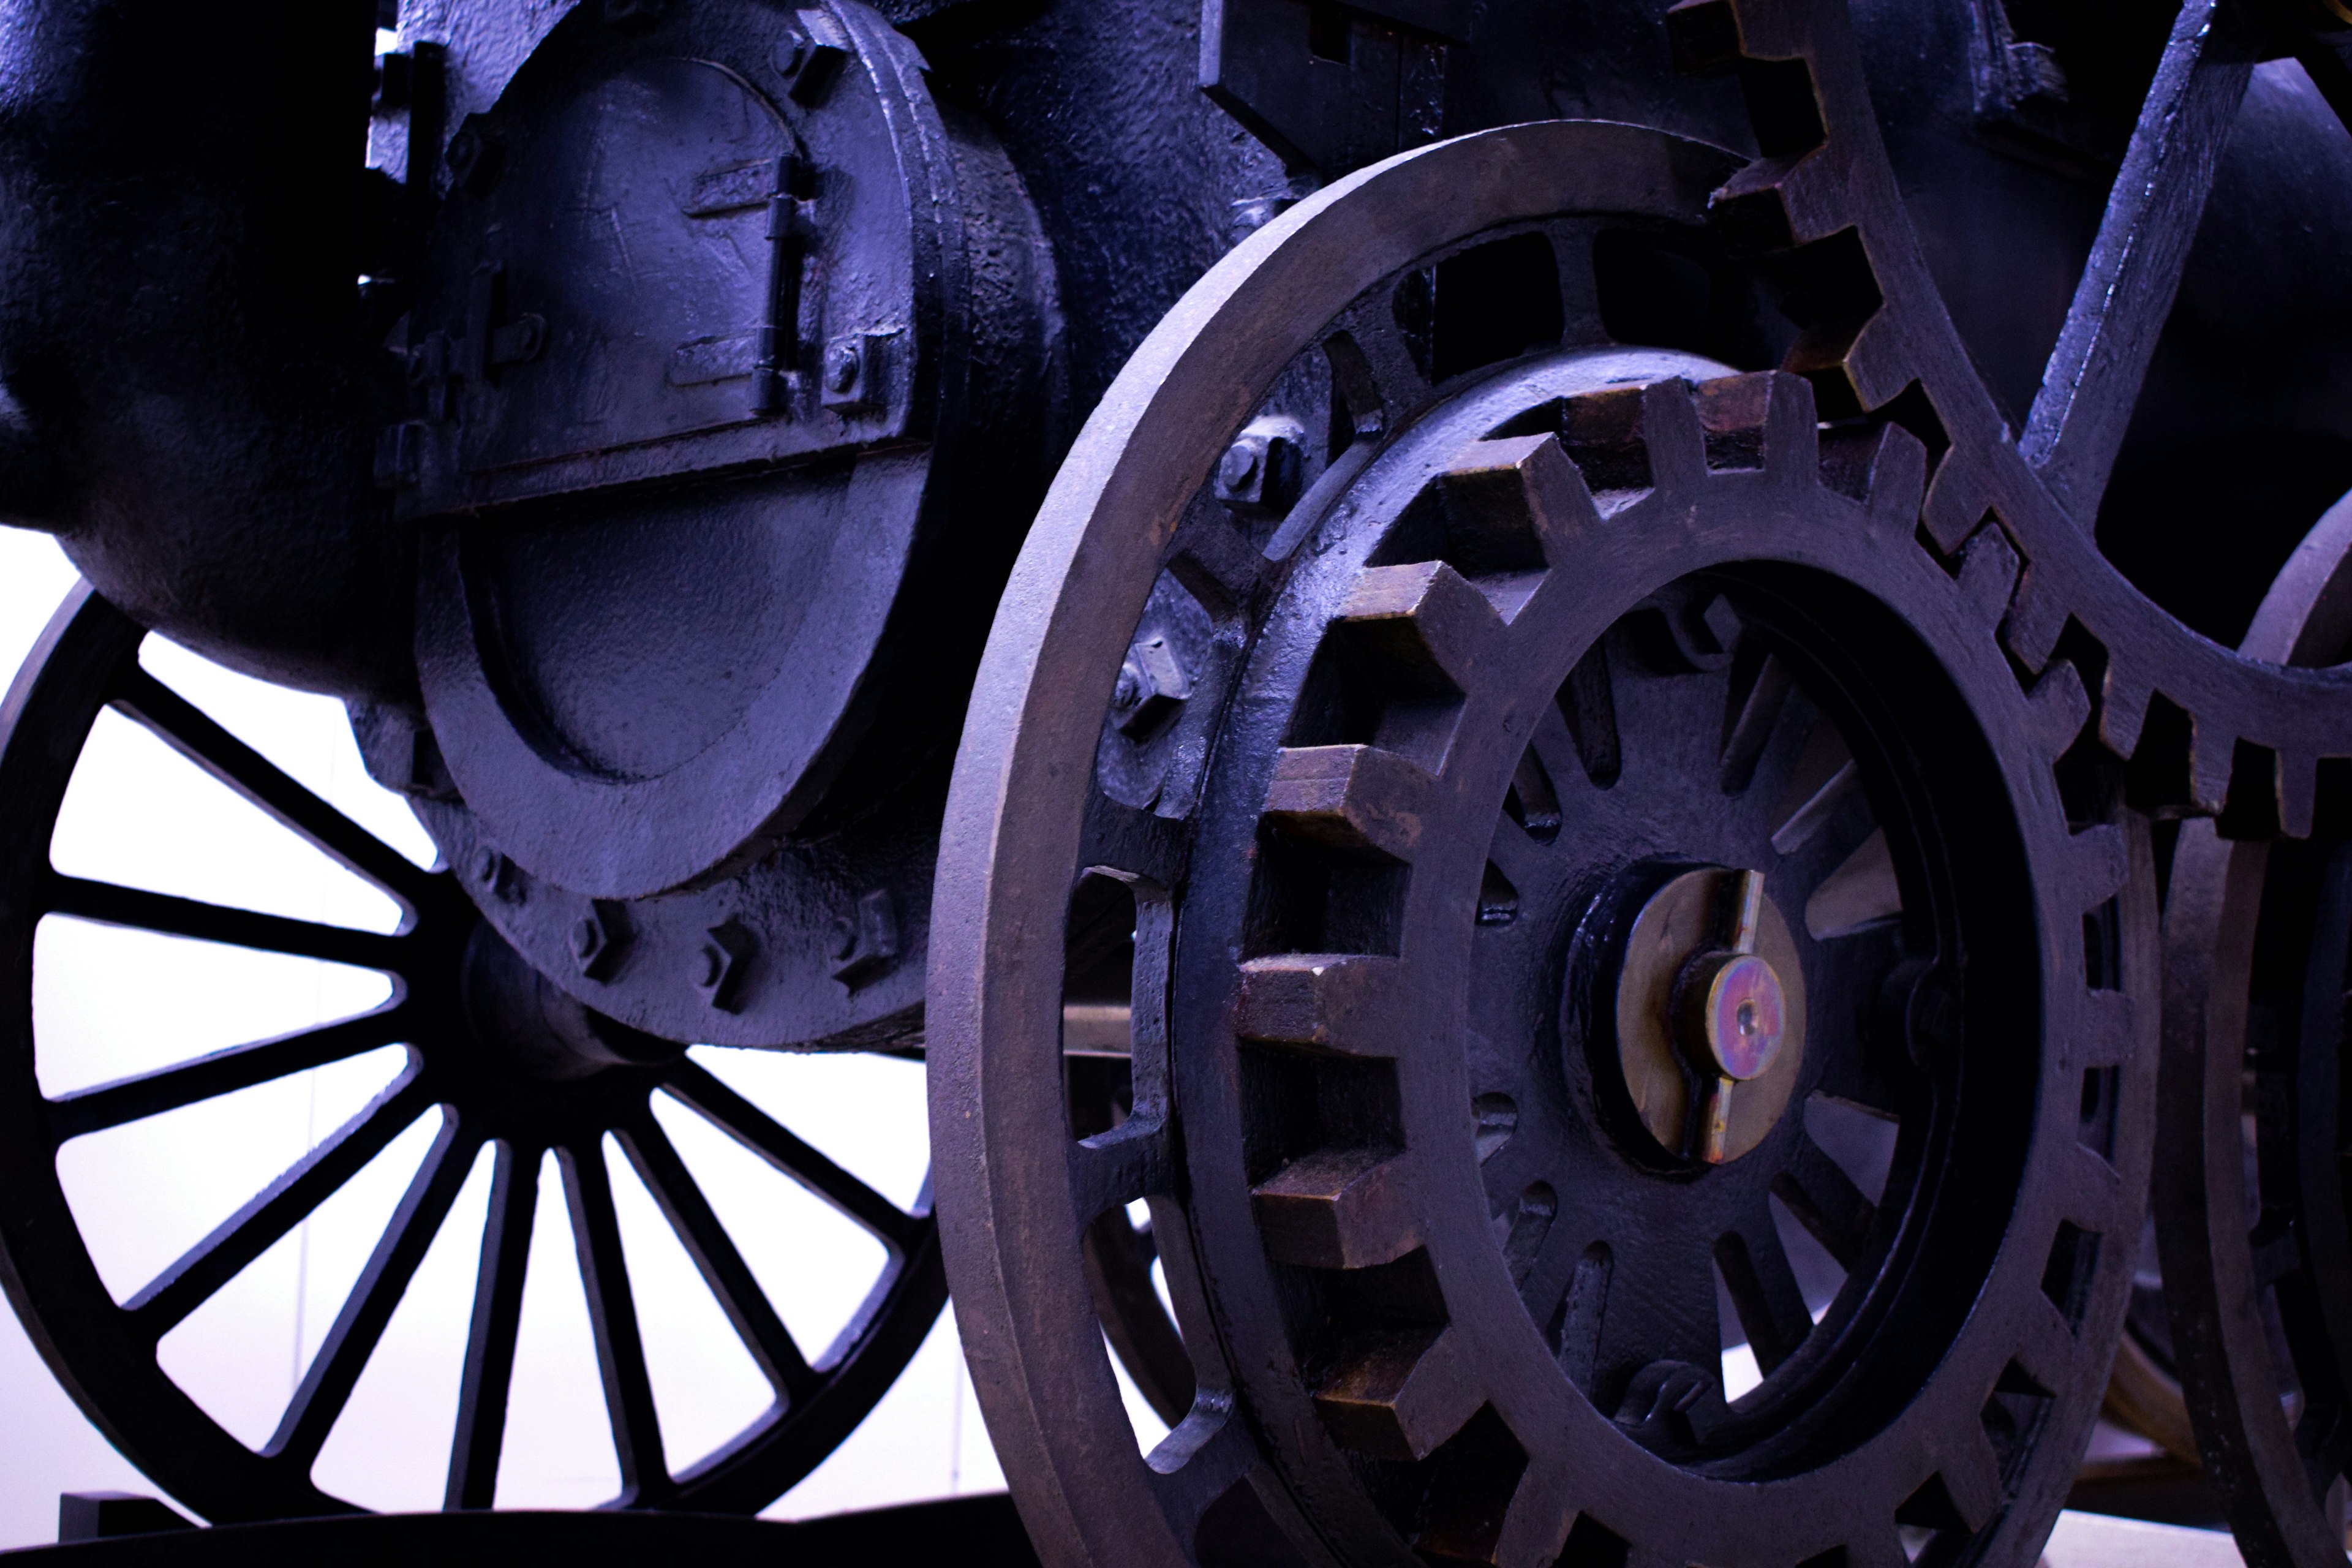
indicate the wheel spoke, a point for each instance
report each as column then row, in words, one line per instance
column 1752, row 717
column 1825, row 1201
column 1373, row 371
column 335, row 1370
column 1764, row 1291
column 764, row 1136
column 222, row 1072
column 1662, row 1306
column 613, row 1314
column 1121, row 838
column 2092, row 379
column 497, row 1323
column 109, row 904
column 193, row 733
column 276, row 1209
column 1587, row 705
column 1830, row 826
column 1118, row 1258
column 714, row 1253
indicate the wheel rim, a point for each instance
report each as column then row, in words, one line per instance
column 1024, row 830
column 105, row 1353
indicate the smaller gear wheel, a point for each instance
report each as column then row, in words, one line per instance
column 2251, row 1218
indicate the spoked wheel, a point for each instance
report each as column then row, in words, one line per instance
column 499, row 1064
column 1635, row 998
column 2252, row 1214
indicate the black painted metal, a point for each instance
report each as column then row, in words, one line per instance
column 982, row 1531
column 711, row 359
column 2252, row 1218
column 498, row 1057
column 1418, row 787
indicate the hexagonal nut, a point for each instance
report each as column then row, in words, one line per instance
column 1260, row 473
column 720, row 962
column 852, row 378
column 596, row 939
column 864, row 944
column 810, row 54
column 1152, row 685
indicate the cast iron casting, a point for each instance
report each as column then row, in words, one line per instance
column 641, row 447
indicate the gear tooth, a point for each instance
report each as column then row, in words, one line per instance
column 1514, row 507
column 1881, row 1548
column 2109, row 1034
column 2297, row 774
column 1338, row 1208
column 1397, row 1395
column 1764, row 419
column 2093, row 1189
column 1854, row 367
column 1348, row 1004
column 1672, row 435
column 2213, row 750
column 1359, row 799
column 1423, row 617
column 1780, row 203
column 2102, row 862
column 2123, row 711
column 1957, row 500
column 1536, row 1526
column 1988, row 568
column 2060, row 706
column 1898, row 479
column 1972, row 1476
column 2037, row 617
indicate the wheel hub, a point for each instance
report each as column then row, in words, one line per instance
column 524, row 1031
column 1702, row 1009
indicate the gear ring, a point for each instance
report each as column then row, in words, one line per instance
column 1025, row 1189
column 2256, row 1250
column 2206, row 728
column 1352, row 1207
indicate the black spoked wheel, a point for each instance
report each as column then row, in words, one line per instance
column 500, row 1068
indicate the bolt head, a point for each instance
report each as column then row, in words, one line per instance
column 585, row 938
column 709, row 967
column 472, row 162
column 841, row 937
column 791, row 52
column 1260, row 474
column 1151, row 686
column 1239, row 467
column 841, row 367
column 1743, row 1018
column 485, row 866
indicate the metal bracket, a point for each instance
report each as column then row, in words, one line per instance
column 1332, row 87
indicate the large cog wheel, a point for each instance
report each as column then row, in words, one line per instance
column 1410, row 1078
